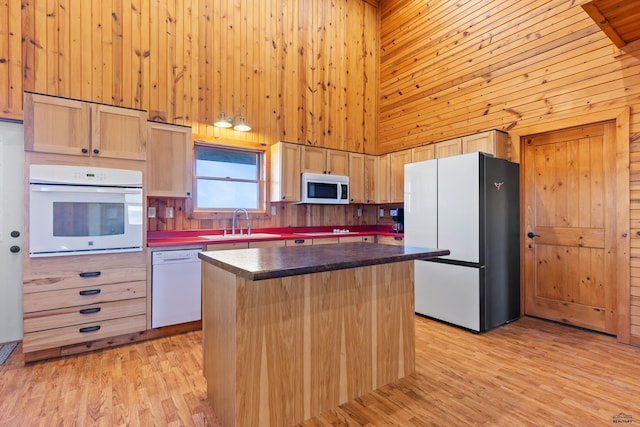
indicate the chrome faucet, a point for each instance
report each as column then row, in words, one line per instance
column 233, row 221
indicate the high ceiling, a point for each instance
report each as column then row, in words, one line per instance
column 618, row 19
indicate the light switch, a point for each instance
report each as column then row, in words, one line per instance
column 168, row 213
column 359, row 211
column 151, row 213
column 273, row 210
column 381, row 213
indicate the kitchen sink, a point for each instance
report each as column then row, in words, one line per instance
column 240, row 236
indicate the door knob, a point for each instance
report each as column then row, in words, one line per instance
column 531, row 235
column 14, row 249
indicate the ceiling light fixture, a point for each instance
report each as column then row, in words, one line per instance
column 242, row 126
column 223, row 122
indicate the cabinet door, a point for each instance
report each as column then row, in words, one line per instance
column 119, row 133
column 356, row 178
column 370, row 178
column 56, row 125
column 396, row 183
column 170, row 161
column 383, row 173
column 285, row 172
column 313, row 160
column 338, row 162
column 425, row 152
column 492, row 142
column 448, row 148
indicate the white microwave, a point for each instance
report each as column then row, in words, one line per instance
column 324, row 189
column 77, row 210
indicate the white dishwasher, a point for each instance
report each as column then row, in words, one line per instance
column 175, row 287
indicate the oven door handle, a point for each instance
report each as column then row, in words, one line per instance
column 77, row 189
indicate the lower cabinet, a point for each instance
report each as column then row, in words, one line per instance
column 391, row 240
column 72, row 300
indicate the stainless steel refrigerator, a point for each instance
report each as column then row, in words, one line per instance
column 470, row 205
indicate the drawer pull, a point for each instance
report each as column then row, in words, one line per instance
column 90, row 274
column 90, row 292
column 90, row 310
column 89, row 329
column 398, row 238
column 298, row 241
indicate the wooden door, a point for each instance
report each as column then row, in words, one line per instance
column 570, row 224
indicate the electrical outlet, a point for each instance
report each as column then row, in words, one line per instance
column 359, row 211
column 381, row 213
column 151, row 213
column 273, row 210
column 168, row 213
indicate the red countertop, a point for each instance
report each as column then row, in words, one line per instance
column 192, row 237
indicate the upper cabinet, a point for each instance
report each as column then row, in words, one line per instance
column 397, row 161
column 67, row 126
column 285, row 172
column 452, row 147
column 324, row 160
column 56, row 125
column 491, row 142
column 383, row 175
column 169, row 160
column 370, row 178
column 424, row 152
column 356, row 178
column 119, row 133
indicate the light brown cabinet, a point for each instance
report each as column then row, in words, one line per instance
column 356, row 178
column 285, row 172
column 65, row 126
column 397, row 161
column 422, row 153
column 383, row 175
column 324, row 160
column 370, row 178
column 169, row 160
column 491, row 142
column 390, row 240
column 66, row 304
column 451, row 147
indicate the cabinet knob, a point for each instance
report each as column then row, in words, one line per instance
column 84, row 151
column 15, row 233
column 96, row 151
column 14, row 249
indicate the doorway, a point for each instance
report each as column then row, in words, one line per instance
column 11, row 230
column 572, row 269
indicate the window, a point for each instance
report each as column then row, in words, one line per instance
column 227, row 178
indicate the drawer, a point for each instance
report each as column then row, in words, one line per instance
column 298, row 242
column 40, row 301
column 66, row 279
column 35, row 341
column 391, row 240
column 50, row 319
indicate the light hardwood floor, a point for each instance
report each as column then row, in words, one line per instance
column 530, row 372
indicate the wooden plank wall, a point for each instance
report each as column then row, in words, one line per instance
column 293, row 69
column 455, row 68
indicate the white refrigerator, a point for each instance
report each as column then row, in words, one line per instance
column 470, row 205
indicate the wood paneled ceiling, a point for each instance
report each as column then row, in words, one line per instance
column 619, row 19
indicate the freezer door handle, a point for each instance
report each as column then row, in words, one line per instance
column 531, row 235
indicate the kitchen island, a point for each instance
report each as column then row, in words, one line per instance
column 290, row 332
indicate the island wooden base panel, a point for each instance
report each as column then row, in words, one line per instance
column 528, row 373
column 292, row 348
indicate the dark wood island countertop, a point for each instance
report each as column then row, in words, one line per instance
column 269, row 263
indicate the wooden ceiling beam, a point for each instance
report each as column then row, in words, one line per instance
column 604, row 24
